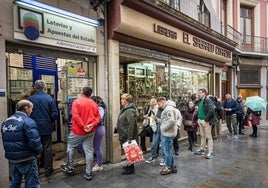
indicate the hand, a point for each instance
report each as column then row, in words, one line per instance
column 88, row 128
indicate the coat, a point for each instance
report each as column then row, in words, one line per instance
column 190, row 114
column 127, row 124
column 44, row 112
column 209, row 110
column 20, row 137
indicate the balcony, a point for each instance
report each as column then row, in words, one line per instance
column 247, row 43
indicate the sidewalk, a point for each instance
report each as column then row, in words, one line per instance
column 237, row 163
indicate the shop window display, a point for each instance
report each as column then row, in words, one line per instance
column 147, row 80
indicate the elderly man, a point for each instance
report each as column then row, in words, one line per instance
column 44, row 113
column 230, row 106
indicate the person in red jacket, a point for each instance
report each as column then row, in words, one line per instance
column 85, row 119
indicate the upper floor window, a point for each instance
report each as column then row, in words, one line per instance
column 173, row 3
column 204, row 14
column 246, row 24
column 223, row 17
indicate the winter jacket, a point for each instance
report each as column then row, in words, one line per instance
column 84, row 111
column 230, row 104
column 255, row 119
column 20, row 137
column 44, row 112
column 168, row 120
column 209, row 110
column 190, row 114
column 127, row 124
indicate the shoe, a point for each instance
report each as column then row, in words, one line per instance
column 209, row 156
column 235, row 137
column 67, row 169
column 150, row 160
column 199, row 152
column 166, row 171
column 49, row 172
column 253, row 135
column 176, row 153
column 229, row 135
column 88, row 177
column 241, row 133
column 162, row 162
column 190, row 148
column 129, row 170
column 97, row 168
column 174, row 169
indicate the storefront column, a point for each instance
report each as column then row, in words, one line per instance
column 114, row 97
column 4, row 167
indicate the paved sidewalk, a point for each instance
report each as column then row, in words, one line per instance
column 241, row 163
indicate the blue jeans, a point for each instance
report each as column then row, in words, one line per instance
column 28, row 170
column 156, row 141
column 167, row 151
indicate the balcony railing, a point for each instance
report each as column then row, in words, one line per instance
column 189, row 10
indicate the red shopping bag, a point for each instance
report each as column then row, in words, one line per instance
column 133, row 152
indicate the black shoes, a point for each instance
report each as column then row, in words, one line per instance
column 67, row 169
column 49, row 172
column 253, row 135
column 129, row 170
column 241, row 133
column 88, row 177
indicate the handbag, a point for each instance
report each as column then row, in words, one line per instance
column 189, row 123
column 132, row 152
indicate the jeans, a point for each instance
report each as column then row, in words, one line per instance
column 26, row 169
column 156, row 141
column 167, row 151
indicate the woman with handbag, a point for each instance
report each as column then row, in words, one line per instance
column 190, row 123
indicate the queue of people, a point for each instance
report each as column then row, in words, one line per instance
column 202, row 114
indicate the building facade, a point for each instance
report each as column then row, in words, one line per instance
column 165, row 48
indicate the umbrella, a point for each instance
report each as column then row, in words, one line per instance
column 256, row 103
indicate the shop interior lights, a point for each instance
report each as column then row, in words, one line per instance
column 48, row 8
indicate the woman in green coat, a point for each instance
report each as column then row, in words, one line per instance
column 127, row 126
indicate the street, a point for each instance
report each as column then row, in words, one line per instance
column 236, row 163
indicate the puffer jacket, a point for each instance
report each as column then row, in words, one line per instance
column 20, row 137
column 127, row 124
column 44, row 112
column 168, row 126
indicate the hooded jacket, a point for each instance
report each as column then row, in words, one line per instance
column 127, row 124
column 169, row 126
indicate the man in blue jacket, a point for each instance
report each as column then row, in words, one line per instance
column 22, row 144
column 44, row 113
column 230, row 106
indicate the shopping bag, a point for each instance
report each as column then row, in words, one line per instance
column 132, row 151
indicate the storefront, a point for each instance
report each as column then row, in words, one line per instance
column 56, row 46
column 154, row 53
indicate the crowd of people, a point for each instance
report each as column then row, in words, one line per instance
column 27, row 133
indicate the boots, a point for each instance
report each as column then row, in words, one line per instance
column 129, row 170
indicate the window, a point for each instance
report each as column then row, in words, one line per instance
column 223, row 14
column 246, row 24
column 204, row 14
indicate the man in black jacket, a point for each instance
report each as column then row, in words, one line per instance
column 206, row 118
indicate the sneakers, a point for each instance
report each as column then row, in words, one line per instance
column 150, row 160
column 88, row 177
column 162, row 162
column 67, row 169
column 229, row 135
column 199, row 152
column 235, row 137
column 97, row 168
column 166, row 171
column 209, row 156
